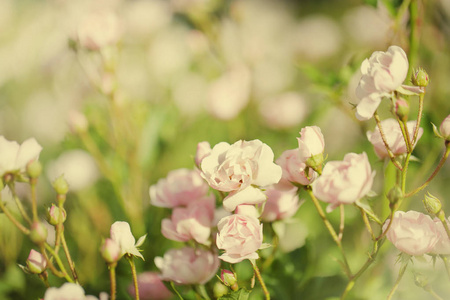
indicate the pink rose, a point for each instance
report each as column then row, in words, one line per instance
column 150, row 287
column 382, row 73
column 179, row 188
column 36, row 262
column 412, row 232
column 248, row 210
column 394, row 137
column 281, row 204
column 15, row 157
column 310, row 142
column 188, row 265
column 191, row 222
column 240, row 236
column 445, row 128
column 240, row 169
column 293, row 168
column 442, row 247
column 344, row 182
column 203, row 150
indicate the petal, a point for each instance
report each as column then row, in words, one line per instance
column 249, row 195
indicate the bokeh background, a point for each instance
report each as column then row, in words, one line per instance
column 184, row 71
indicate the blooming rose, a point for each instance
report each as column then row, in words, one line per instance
column 412, row 232
column 203, row 150
column 281, row 203
column 238, row 168
column 240, row 236
column 36, row 262
column 188, row 265
column 344, row 182
column 179, row 188
column 191, row 222
column 150, row 287
column 15, row 157
column 310, row 142
column 293, row 168
column 445, row 128
column 68, row 291
column 394, row 137
column 382, row 73
column 98, row 30
column 442, row 247
column 121, row 233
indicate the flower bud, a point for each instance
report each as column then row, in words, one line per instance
column 420, row 78
column 38, row 233
column 36, row 262
column 219, row 290
column 432, row 204
column 110, row 251
column 229, row 279
column 315, row 162
column 444, row 129
column 34, row 169
column 60, row 185
column 394, row 196
column 402, row 109
column 54, row 213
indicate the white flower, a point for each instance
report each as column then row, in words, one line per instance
column 15, row 157
column 68, row 291
column 121, row 233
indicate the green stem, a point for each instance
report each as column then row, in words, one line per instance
column 13, row 220
column 19, row 204
column 413, row 34
column 383, row 137
column 419, row 118
column 33, row 182
column 447, row 267
column 112, row 279
column 44, row 277
column 260, row 279
column 134, row 274
column 342, row 221
column 172, row 285
column 367, row 223
column 69, row 258
column 202, row 291
column 61, row 273
column 399, row 278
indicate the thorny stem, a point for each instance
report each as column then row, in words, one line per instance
column 112, row 279
column 133, row 273
column 383, row 137
column 69, row 258
column 399, row 278
column 419, row 117
column 367, row 223
column 260, row 279
column 44, row 277
column 61, row 273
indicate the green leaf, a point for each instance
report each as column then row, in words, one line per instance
column 366, row 207
column 241, row 294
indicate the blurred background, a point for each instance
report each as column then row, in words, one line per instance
column 119, row 93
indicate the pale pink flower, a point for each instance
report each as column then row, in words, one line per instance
column 445, row 128
column 111, row 251
column 191, row 222
column 344, row 182
column 150, row 287
column 15, row 157
column 247, row 210
column 36, row 262
column 121, row 233
column 203, row 150
column 442, row 247
column 310, row 142
column 394, row 137
column 98, row 30
column 240, row 169
column 283, row 111
column 179, row 188
column 382, row 73
column 188, row 265
column 412, row 232
column 281, row 203
column 293, row 169
column 68, row 291
column 240, row 236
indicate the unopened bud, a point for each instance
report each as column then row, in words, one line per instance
column 394, row 196
column 34, row 169
column 60, row 185
column 432, row 204
column 55, row 213
column 229, row 279
column 110, row 251
column 315, row 162
column 420, row 78
column 219, row 290
column 36, row 262
column 38, row 233
column 444, row 129
column 402, row 109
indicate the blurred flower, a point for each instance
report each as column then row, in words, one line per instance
column 394, row 137
column 229, row 94
column 311, row 146
column 68, row 290
column 283, row 111
column 98, row 30
column 150, row 287
column 36, row 262
column 412, row 232
column 203, row 150
column 191, row 222
column 110, row 251
column 38, row 233
column 78, row 166
column 179, row 188
column 240, row 236
column 15, row 157
column 220, row 213
column 444, row 129
column 189, row 93
column 281, row 203
column 344, row 182
column 442, row 247
column 188, row 265
column 382, row 73
column 247, row 210
column 294, row 168
column 121, row 233
column 291, row 234
column 238, row 169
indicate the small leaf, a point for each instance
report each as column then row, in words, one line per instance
column 241, row 294
column 366, row 207
column 141, row 240
column 436, row 131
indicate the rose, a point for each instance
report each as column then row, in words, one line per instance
column 393, row 136
column 179, row 188
column 203, row 150
column 442, row 247
column 68, row 291
column 121, row 233
column 36, row 262
column 240, row 236
column 293, row 168
column 382, row 73
column 344, row 182
column 412, row 232
column 281, row 203
column 191, row 222
column 240, row 169
column 311, row 145
column 188, row 265
column 150, row 287
column 445, row 128
column 15, row 157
